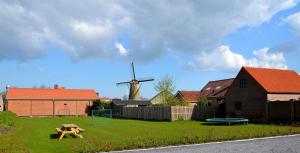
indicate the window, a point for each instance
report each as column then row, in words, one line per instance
column 218, row 87
column 207, row 88
column 238, row 105
column 243, row 83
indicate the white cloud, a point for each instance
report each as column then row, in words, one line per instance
column 121, row 49
column 222, row 58
column 294, row 21
column 90, row 29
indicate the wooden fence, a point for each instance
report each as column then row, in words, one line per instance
column 283, row 110
column 169, row 113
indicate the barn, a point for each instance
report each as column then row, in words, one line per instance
column 265, row 92
column 49, row 101
column 189, row 96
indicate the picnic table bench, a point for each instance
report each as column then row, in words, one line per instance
column 69, row 129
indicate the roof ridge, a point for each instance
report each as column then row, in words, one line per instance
column 189, row 90
column 49, row 88
column 222, row 80
column 267, row 68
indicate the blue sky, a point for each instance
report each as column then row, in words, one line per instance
column 202, row 45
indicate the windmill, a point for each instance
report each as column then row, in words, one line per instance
column 134, row 92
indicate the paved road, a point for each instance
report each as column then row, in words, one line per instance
column 286, row 144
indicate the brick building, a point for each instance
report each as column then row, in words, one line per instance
column 215, row 92
column 47, row 102
column 255, row 91
column 189, row 96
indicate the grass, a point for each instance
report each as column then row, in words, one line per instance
column 7, row 122
column 38, row 134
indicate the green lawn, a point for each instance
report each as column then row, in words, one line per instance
column 38, row 134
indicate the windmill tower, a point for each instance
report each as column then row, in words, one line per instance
column 134, row 92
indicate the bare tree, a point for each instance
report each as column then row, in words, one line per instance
column 166, row 87
column 125, row 97
column 166, row 84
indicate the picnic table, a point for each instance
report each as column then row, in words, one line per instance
column 69, row 129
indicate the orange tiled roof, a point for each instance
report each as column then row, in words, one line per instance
column 276, row 80
column 190, row 96
column 47, row 93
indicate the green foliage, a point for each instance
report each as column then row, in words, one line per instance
column 202, row 101
column 98, row 105
column 166, row 87
column 166, row 84
column 7, row 118
column 173, row 101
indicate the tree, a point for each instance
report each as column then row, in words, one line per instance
column 202, row 101
column 98, row 105
column 166, row 84
column 166, row 87
column 125, row 97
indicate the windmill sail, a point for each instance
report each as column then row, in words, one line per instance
column 133, row 71
column 134, row 93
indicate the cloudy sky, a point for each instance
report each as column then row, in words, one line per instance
column 89, row 44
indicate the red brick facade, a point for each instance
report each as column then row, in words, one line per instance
column 252, row 98
column 63, row 101
column 48, row 107
column 254, row 89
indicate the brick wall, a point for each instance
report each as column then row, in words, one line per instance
column 253, row 97
column 283, row 97
column 45, row 107
column 21, row 108
column 41, row 108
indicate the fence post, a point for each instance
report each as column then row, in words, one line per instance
column 53, row 107
column 292, row 110
column 267, row 110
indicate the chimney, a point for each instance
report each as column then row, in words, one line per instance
column 7, row 87
column 56, row 86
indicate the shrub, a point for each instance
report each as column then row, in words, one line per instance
column 7, row 118
column 97, row 104
column 202, row 101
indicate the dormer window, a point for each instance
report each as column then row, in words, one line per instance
column 218, row 87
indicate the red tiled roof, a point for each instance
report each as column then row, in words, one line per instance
column 41, row 93
column 216, row 88
column 105, row 100
column 190, row 96
column 276, row 80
